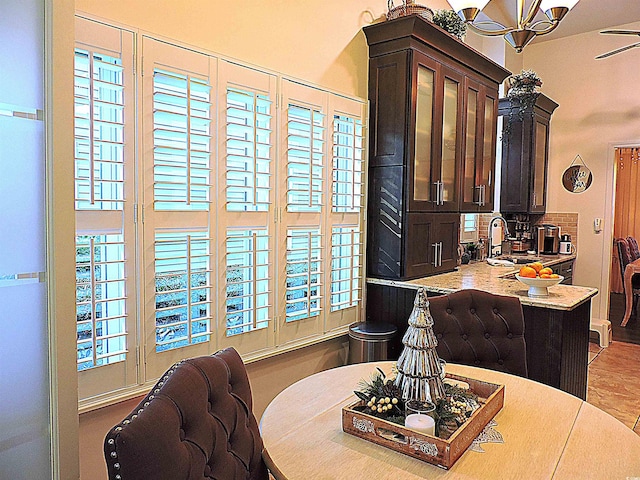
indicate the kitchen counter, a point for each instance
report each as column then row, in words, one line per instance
column 556, row 327
column 501, row 281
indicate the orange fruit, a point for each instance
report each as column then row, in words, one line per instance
column 545, row 271
column 527, row 271
column 545, row 275
column 537, row 266
column 554, row 275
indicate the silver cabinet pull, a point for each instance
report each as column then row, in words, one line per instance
column 439, row 192
column 435, row 254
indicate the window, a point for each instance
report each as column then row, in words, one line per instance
column 99, row 131
column 347, row 164
column 222, row 205
column 100, row 300
column 305, row 157
column 181, row 141
column 345, row 267
column 183, row 289
column 247, row 281
column 248, row 150
column 468, row 227
column 304, row 276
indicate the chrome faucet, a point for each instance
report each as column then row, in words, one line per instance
column 505, row 233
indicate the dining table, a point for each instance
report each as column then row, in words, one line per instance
column 542, row 432
column 629, row 271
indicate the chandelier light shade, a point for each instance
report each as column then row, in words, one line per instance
column 526, row 28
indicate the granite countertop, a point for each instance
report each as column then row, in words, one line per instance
column 501, row 281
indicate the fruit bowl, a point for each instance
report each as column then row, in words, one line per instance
column 538, row 286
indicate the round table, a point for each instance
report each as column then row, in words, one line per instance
column 547, row 434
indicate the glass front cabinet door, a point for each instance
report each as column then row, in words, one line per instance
column 478, row 166
column 436, row 120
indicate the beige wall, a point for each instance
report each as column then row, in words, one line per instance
column 599, row 109
column 318, row 41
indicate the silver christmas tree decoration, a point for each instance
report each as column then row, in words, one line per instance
column 420, row 370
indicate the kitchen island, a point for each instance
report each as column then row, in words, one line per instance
column 556, row 327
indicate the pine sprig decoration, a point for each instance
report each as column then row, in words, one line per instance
column 381, row 398
column 454, row 409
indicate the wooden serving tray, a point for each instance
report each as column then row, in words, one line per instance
column 435, row 450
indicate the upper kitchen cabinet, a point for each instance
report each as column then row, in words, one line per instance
column 432, row 132
column 479, row 156
column 525, row 151
column 433, row 103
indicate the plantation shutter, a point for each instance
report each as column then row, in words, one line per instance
column 246, row 230
column 303, row 203
column 178, row 98
column 344, row 215
column 104, row 118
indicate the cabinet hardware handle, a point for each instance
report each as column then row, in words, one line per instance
column 440, row 254
column 439, row 192
column 435, row 254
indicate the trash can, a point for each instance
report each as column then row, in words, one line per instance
column 369, row 342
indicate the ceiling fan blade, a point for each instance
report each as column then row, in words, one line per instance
column 613, row 52
column 622, row 32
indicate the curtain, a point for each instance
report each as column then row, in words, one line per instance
column 626, row 220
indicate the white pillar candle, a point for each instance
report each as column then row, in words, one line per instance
column 421, row 423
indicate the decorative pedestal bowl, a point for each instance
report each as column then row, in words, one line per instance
column 538, row 286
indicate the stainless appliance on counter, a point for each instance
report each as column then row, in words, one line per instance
column 548, row 239
column 566, row 248
column 520, row 246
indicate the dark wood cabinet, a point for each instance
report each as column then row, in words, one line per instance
column 431, row 243
column 432, row 127
column 479, row 155
column 525, row 151
column 411, row 244
column 564, row 269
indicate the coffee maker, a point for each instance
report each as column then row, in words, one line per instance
column 548, row 239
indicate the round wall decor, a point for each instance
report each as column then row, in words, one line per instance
column 577, row 177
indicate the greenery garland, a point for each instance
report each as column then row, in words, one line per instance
column 451, row 22
column 523, row 91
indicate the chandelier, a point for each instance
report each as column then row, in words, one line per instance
column 527, row 27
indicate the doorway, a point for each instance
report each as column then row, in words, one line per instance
column 626, row 222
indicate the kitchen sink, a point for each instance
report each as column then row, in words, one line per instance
column 519, row 258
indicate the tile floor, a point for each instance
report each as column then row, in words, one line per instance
column 614, row 381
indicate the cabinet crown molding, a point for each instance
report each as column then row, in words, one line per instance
column 404, row 32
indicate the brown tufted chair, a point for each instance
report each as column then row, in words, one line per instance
column 625, row 257
column 196, row 423
column 634, row 250
column 480, row 329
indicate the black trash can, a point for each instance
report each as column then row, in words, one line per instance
column 369, row 342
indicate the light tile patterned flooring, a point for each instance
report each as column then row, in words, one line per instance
column 614, row 381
